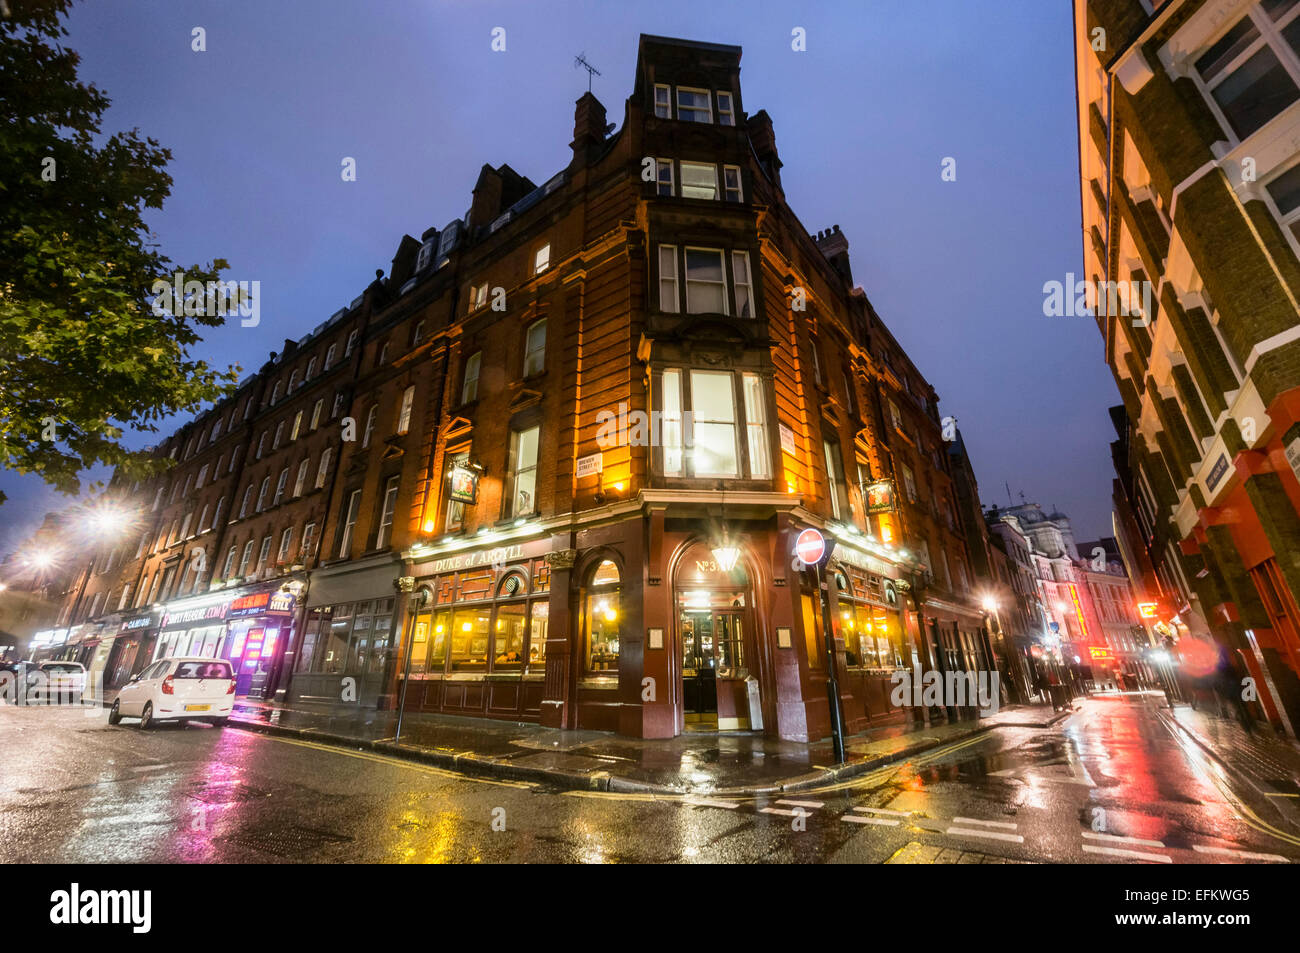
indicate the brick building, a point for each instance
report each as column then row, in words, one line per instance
column 1189, row 125
column 556, row 459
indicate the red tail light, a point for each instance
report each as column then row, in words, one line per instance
column 231, row 689
column 169, row 685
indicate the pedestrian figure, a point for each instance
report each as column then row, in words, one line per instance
column 1227, row 686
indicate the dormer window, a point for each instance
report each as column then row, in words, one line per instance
column 693, row 105
column 425, row 256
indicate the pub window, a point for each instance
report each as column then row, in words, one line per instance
column 535, row 349
column 726, row 111
column 349, row 524
column 601, row 620
column 522, row 499
column 699, row 180
column 693, row 105
column 469, row 387
column 510, row 628
column 404, row 416
column 664, row 176
column 668, row 294
column 470, row 635
column 663, row 105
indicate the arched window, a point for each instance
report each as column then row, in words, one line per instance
column 275, row 393
column 329, row 356
column 602, row 619
column 352, row 342
column 293, row 381
column 311, row 369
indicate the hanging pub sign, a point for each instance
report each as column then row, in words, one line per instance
column 464, row 484
column 880, row 497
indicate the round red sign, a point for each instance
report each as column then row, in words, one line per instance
column 810, row 546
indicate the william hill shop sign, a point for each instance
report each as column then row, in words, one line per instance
column 262, row 603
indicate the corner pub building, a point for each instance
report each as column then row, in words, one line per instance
column 590, row 418
column 654, row 379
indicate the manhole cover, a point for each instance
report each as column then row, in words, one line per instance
column 225, row 792
column 289, row 842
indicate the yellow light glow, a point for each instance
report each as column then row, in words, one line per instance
column 428, row 526
column 467, row 627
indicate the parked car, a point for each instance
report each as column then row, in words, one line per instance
column 178, row 689
column 54, row 682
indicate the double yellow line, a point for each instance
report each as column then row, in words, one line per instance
column 399, row 763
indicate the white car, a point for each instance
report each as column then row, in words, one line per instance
column 185, row 688
column 55, row 682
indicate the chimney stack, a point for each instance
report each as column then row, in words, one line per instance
column 835, row 247
column 589, row 126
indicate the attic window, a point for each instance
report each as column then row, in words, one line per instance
column 662, row 107
column 693, row 105
column 726, row 112
column 542, row 260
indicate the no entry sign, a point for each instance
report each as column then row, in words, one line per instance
column 810, row 547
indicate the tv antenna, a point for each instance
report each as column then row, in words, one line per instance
column 581, row 60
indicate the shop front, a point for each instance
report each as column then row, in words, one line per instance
column 259, row 625
column 346, row 650
column 478, row 646
column 132, row 647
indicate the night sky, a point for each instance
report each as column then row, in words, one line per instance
column 260, row 123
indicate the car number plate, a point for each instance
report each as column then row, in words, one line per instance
column 197, row 707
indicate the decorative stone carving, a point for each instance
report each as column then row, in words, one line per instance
column 562, row 559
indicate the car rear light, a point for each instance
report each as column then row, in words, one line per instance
column 168, row 685
column 231, row 689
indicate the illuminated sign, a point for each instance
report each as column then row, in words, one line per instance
column 261, row 602
column 1099, row 654
column 463, row 482
column 1078, row 609
column 1147, row 610
column 217, row 611
column 810, row 547
column 484, row 557
column 880, row 497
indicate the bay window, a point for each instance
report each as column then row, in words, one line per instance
column 726, row 111
column 664, row 176
column 699, row 180
column 693, row 105
column 701, row 424
column 1252, row 71
column 668, row 294
column 706, row 283
column 731, row 189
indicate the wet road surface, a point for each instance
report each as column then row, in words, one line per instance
column 1111, row 784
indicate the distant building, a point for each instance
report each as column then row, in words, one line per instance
column 1189, row 147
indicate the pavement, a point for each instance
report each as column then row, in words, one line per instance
column 720, row 764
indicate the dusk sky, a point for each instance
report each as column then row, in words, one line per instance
column 260, row 123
